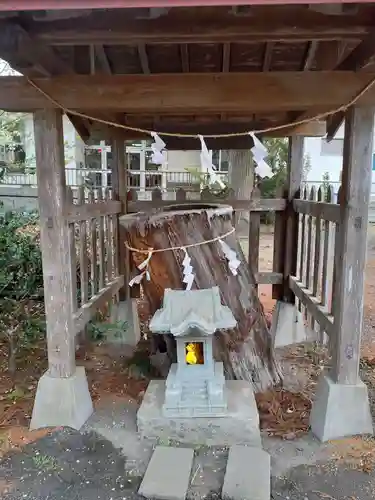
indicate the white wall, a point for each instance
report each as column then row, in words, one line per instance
column 331, row 163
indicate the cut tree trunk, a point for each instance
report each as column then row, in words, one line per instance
column 247, row 351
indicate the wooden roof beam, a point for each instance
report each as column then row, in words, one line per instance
column 355, row 61
column 19, row 49
column 189, row 93
column 176, row 28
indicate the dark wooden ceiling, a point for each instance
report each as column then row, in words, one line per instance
column 246, row 39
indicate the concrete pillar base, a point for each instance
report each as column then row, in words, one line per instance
column 340, row 410
column 288, row 327
column 125, row 311
column 62, row 402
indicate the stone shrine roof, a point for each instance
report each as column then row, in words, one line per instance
column 186, row 309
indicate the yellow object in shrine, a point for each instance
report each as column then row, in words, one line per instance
column 191, row 355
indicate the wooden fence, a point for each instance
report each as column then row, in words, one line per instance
column 93, row 231
column 314, row 284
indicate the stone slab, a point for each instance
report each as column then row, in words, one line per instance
column 288, row 327
column 62, row 402
column 340, row 410
column 168, row 474
column 125, row 311
column 239, row 426
column 248, row 474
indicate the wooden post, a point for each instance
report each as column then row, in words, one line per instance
column 350, row 256
column 55, row 244
column 119, row 184
column 294, row 179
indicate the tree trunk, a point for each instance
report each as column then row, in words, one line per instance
column 247, row 350
column 241, row 178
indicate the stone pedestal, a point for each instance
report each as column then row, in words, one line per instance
column 62, row 401
column 239, row 425
column 288, row 327
column 340, row 410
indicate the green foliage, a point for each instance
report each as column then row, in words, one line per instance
column 100, row 330
column 21, row 274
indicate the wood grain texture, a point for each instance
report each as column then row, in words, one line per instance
column 192, row 93
column 351, row 251
column 247, row 350
column 55, row 243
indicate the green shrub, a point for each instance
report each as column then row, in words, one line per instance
column 21, row 274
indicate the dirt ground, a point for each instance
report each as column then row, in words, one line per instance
column 109, row 374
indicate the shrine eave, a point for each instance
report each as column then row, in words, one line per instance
column 11, row 5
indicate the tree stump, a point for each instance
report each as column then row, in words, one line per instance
column 247, row 350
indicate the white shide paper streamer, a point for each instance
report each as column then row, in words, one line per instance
column 187, row 271
column 231, row 257
column 157, row 148
column 207, row 166
column 260, row 152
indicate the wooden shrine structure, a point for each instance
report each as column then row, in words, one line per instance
column 211, row 68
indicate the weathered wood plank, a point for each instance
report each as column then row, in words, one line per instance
column 192, row 93
column 108, row 242
column 119, row 185
column 73, row 260
column 317, row 249
column 78, row 213
column 55, row 243
column 294, row 179
column 326, row 211
column 87, row 311
column 269, row 278
column 254, row 236
column 309, row 242
column 176, row 27
column 101, row 248
column 262, row 205
column 279, row 245
column 350, row 264
column 93, row 245
column 326, row 240
column 312, row 304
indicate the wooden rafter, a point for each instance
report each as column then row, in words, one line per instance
column 103, row 59
column 267, row 57
column 192, row 93
column 184, row 53
column 355, row 61
column 19, row 49
column 226, row 58
column 143, row 57
column 310, row 55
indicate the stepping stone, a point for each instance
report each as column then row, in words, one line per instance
column 248, row 474
column 168, row 474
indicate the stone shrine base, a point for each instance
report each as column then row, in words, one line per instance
column 239, row 426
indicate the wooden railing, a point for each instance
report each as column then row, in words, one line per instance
column 314, row 284
column 93, row 230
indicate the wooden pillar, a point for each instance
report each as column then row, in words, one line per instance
column 56, row 252
column 119, row 184
column 350, row 252
column 294, row 180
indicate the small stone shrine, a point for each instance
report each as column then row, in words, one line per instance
column 196, row 404
column 195, row 386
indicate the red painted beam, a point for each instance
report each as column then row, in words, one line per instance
column 12, row 5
